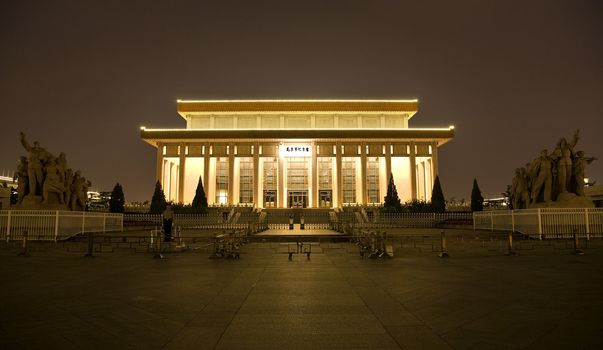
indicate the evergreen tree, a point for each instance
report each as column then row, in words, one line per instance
column 438, row 203
column 199, row 203
column 117, row 201
column 391, row 200
column 507, row 196
column 158, row 202
column 477, row 201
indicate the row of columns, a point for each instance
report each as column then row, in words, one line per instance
column 282, row 197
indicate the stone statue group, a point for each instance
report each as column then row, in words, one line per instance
column 44, row 180
column 552, row 175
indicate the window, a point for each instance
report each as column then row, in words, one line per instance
column 348, row 173
column 297, row 174
column 221, row 181
column 246, row 181
column 325, row 173
column 372, row 180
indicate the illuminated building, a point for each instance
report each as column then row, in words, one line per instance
column 297, row 153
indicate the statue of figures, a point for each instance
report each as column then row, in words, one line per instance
column 79, row 191
column 519, row 189
column 53, row 183
column 37, row 157
column 68, row 184
column 578, row 171
column 22, row 178
column 62, row 165
column 543, row 180
column 564, row 153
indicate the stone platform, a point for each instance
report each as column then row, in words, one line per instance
column 297, row 231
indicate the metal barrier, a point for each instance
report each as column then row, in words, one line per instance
column 543, row 223
column 55, row 225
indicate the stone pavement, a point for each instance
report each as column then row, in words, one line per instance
column 542, row 299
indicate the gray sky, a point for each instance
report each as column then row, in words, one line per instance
column 512, row 76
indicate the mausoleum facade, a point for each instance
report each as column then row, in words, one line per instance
column 297, row 153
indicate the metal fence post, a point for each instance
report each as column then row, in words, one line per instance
column 444, row 251
column 56, row 226
column 104, row 222
column 577, row 251
column 24, row 249
column 539, row 224
column 510, row 252
column 491, row 221
column 90, row 252
column 158, row 254
column 513, row 220
column 587, row 223
column 83, row 221
column 8, row 223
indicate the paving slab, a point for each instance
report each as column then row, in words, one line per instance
column 477, row 299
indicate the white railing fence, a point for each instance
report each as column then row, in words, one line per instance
column 543, row 222
column 398, row 220
column 55, row 225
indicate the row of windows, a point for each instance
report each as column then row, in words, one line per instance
column 297, row 178
column 298, row 121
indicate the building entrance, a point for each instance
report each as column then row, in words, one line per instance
column 270, row 199
column 298, row 199
column 325, row 198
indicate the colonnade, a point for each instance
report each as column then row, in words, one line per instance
column 172, row 159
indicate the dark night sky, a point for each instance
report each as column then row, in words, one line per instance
column 512, row 76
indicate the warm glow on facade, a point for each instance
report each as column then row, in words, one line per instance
column 297, row 153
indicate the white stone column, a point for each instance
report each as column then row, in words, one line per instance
column 388, row 161
column 257, row 202
column 338, row 163
column 231, row 165
column 159, row 164
column 181, row 172
column 282, row 197
column 413, row 172
column 206, row 164
column 434, row 159
column 363, row 186
column 314, row 176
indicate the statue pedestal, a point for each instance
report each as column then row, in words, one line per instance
column 35, row 203
column 567, row 200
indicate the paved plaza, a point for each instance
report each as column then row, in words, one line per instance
column 544, row 298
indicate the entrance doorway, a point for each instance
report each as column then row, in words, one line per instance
column 269, row 199
column 298, row 199
column 325, row 198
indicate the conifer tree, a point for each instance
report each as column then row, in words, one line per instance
column 391, row 200
column 199, row 203
column 438, row 203
column 477, row 201
column 158, row 202
column 117, row 200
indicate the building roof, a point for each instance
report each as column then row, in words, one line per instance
column 274, row 106
column 152, row 136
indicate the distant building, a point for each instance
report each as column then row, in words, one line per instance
column 596, row 193
column 297, row 153
column 7, row 185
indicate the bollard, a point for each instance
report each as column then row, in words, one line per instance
column 158, row 254
column 510, row 251
column 24, row 250
column 89, row 253
column 577, row 250
column 444, row 251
